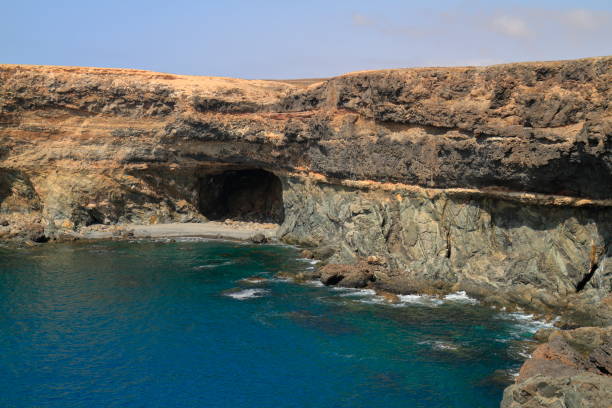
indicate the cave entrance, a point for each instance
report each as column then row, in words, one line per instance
column 245, row 195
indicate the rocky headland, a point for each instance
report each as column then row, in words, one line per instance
column 572, row 369
column 492, row 180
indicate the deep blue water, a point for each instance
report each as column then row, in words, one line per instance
column 163, row 324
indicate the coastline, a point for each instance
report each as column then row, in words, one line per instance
column 229, row 230
column 537, row 371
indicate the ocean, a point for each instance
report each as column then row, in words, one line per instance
column 184, row 324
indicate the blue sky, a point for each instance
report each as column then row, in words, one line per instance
column 284, row 39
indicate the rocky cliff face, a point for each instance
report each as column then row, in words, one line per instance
column 495, row 180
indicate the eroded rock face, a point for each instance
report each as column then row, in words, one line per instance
column 494, row 180
column 542, row 258
column 573, row 369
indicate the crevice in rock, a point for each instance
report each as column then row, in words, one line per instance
column 593, row 268
column 580, row 286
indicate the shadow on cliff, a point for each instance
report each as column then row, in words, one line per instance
column 17, row 186
column 244, row 195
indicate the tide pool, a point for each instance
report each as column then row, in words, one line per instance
column 175, row 324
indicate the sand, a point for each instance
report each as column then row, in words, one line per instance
column 241, row 231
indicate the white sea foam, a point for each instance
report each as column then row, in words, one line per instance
column 310, row 261
column 315, row 283
column 254, row 280
column 213, row 265
column 248, row 294
column 341, row 289
column 420, row 299
column 374, row 300
column 359, row 292
column 462, row 297
column 524, row 355
column 526, row 323
column 441, row 345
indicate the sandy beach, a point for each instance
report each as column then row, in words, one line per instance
column 240, row 231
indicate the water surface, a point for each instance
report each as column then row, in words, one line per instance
column 174, row 324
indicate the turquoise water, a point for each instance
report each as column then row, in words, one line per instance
column 172, row 324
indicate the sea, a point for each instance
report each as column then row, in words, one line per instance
column 207, row 323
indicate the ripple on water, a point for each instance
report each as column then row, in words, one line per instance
column 145, row 310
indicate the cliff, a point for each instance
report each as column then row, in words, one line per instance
column 494, row 180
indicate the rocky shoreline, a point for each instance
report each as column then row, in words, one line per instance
column 569, row 368
column 572, row 368
column 496, row 181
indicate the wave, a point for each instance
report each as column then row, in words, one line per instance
column 213, row 265
column 255, row 280
column 359, row 292
column 421, row 300
column 441, row 345
column 525, row 324
column 310, row 261
column 315, row 283
column 462, row 297
column 248, row 294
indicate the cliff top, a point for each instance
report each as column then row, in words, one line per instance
column 298, row 82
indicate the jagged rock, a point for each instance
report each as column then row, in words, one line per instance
column 573, row 369
column 352, row 276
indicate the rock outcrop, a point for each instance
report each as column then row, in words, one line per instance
column 573, row 369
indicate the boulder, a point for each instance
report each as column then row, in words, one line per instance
column 351, row 276
column 259, row 238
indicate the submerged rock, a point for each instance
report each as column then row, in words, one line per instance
column 388, row 296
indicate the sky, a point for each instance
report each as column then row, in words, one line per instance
column 305, row 39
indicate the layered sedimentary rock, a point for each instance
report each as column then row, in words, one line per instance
column 494, row 180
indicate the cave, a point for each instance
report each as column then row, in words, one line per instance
column 253, row 195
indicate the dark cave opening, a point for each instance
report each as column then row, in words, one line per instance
column 244, row 195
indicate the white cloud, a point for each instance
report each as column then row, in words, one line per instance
column 511, row 26
column 585, row 19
